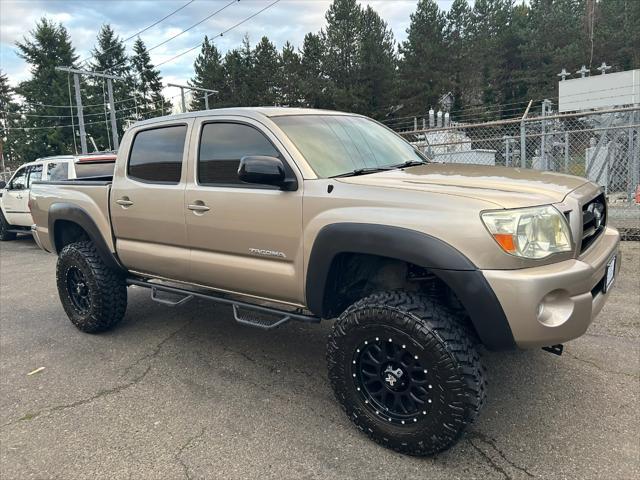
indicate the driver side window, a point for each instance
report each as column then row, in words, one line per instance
column 19, row 181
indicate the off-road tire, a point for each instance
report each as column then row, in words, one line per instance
column 435, row 335
column 5, row 235
column 105, row 299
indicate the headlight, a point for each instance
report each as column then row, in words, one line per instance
column 535, row 232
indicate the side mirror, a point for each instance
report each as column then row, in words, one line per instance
column 19, row 186
column 265, row 170
column 3, row 184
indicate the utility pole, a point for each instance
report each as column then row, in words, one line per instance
column 112, row 107
column 188, row 87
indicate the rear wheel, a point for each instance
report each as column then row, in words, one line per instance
column 406, row 372
column 93, row 295
column 5, row 234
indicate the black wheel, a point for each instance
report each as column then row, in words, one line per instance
column 93, row 295
column 5, row 235
column 406, row 372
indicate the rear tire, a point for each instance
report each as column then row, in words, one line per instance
column 5, row 235
column 406, row 372
column 93, row 295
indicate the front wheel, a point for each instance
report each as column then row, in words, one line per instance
column 93, row 295
column 405, row 372
column 5, row 234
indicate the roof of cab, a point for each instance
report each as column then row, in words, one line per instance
column 251, row 112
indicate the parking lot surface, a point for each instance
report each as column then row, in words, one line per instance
column 186, row 392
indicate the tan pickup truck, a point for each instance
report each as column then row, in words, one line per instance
column 294, row 214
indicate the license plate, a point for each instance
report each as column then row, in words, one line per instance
column 611, row 272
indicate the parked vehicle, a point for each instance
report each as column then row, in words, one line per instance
column 296, row 214
column 14, row 196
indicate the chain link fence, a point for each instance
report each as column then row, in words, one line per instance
column 602, row 146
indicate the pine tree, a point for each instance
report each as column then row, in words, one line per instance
column 109, row 56
column 266, row 73
column 314, row 83
column 376, row 65
column 10, row 140
column 235, row 90
column 47, row 46
column 422, row 68
column 209, row 73
column 290, row 77
column 341, row 40
column 148, row 84
column 457, row 38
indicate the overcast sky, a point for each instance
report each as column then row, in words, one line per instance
column 287, row 20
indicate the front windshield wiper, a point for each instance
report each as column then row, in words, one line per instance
column 409, row 163
column 361, row 171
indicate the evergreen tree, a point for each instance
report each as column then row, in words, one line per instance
column 423, row 71
column 376, row 62
column 290, row 77
column 617, row 34
column 47, row 46
column 209, row 73
column 341, row 42
column 148, row 84
column 109, row 56
column 457, row 38
column 10, row 140
column 235, row 89
column 314, row 83
column 265, row 74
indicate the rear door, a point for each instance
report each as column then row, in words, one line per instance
column 244, row 238
column 147, row 201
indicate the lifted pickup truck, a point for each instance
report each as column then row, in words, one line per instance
column 294, row 214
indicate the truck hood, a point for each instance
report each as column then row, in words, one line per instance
column 503, row 186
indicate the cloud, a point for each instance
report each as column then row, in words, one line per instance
column 288, row 20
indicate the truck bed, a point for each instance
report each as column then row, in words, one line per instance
column 90, row 194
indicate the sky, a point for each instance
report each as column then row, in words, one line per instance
column 288, row 20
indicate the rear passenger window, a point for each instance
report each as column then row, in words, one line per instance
column 222, row 145
column 156, row 155
column 58, row 171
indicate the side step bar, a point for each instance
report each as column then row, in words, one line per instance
column 243, row 312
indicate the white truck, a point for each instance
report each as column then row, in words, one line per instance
column 15, row 216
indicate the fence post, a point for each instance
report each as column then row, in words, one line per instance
column 523, row 138
column 415, row 123
column 634, row 160
column 566, row 150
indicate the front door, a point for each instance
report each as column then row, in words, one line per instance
column 244, row 238
column 16, row 197
column 147, row 202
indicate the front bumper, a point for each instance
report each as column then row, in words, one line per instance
column 570, row 293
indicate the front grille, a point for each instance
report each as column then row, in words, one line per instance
column 594, row 219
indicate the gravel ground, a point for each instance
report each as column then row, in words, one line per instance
column 188, row 393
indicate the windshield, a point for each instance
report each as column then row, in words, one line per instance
column 338, row 144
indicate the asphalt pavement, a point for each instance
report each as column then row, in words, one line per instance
column 186, row 392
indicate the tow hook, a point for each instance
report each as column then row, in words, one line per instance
column 555, row 349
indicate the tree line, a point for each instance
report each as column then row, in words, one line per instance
column 492, row 57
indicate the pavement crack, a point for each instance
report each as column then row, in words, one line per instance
column 156, row 350
column 489, row 460
column 492, row 443
column 600, row 367
column 185, row 446
column 78, row 403
column 105, row 392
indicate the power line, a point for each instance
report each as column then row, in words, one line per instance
column 183, row 31
column 143, row 30
column 220, row 34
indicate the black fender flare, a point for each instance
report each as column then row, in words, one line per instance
column 447, row 263
column 73, row 213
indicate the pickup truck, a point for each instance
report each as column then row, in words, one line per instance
column 297, row 214
column 14, row 195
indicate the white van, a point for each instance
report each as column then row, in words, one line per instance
column 15, row 216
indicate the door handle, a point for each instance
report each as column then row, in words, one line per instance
column 198, row 207
column 124, row 202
